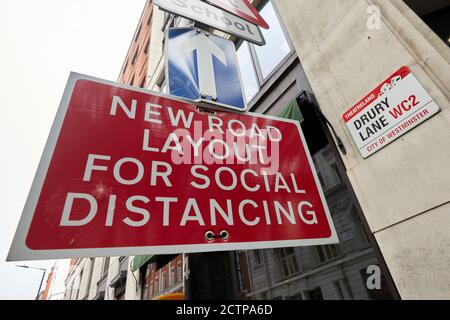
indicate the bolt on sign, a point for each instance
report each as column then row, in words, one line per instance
column 396, row 106
column 126, row 171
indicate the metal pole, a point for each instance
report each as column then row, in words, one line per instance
column 40, row 285
column 42, row 279
column 212, row 276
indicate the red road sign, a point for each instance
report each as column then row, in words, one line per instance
column 127, row 171
column 243, row 9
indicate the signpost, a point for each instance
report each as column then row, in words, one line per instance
column 127, row 172
column 212, row 16
column 395, row 107
column 204, row 68
column 243, row 9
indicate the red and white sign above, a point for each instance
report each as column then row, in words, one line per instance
column 395, row 107
column 127, row 172
column 243, row 9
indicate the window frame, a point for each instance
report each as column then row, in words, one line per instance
column 261, row 81
column 325, row 254
column 172, row 272
column 288, row 259
column 105, row 266
column 150, row 289
column 163, row 281
column 258, row 255
column 179, row 272
column 156, row 287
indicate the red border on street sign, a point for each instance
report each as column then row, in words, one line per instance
column 258, row 20
column 403, row 72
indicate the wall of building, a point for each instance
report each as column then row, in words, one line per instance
column 45, row 293
column 156, row 51
column 134, row 68
column 78, row 281
column 156, row 65
column 57, row 284
column 161, row 281
column 404, row 188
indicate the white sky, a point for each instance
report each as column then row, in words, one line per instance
column 41, row 42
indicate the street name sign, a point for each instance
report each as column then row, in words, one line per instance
column 127, row 171
column 212, row 16
column 395, row 107
column 204, row 68
column 243, row 9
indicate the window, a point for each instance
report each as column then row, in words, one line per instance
column 258, row 256
column 68, row 293
column 179, row 272
column 339, row 291
column 156, row 287
column 315, row 294
column 145, row 283
column 169, row 21
column 258, row 62
column 163, row 281
column 72, row 290
column 172, row 276
column 151, row 289
column 147, row 45
column 135, row 56
column 337, row 174
column 163, row 87
column 288, row 260
column 105, row 265
column 342, row 290
column 80, row 278
column 328, row 252
column 138, row 33
column 142, row 85
column 277, row 46
column 125, row 67
column 248, row 75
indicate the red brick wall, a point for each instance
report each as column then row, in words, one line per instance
column 44, row 294
column 134, row 70
column 154, row 274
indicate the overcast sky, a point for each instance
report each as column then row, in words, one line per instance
column 41, row 42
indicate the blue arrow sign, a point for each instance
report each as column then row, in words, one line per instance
column 203, row 67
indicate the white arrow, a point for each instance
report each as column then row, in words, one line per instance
column 206, row 49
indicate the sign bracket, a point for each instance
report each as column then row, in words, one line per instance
column 308, row 98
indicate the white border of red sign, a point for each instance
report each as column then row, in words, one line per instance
column 223, row 21
column 19, row 250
